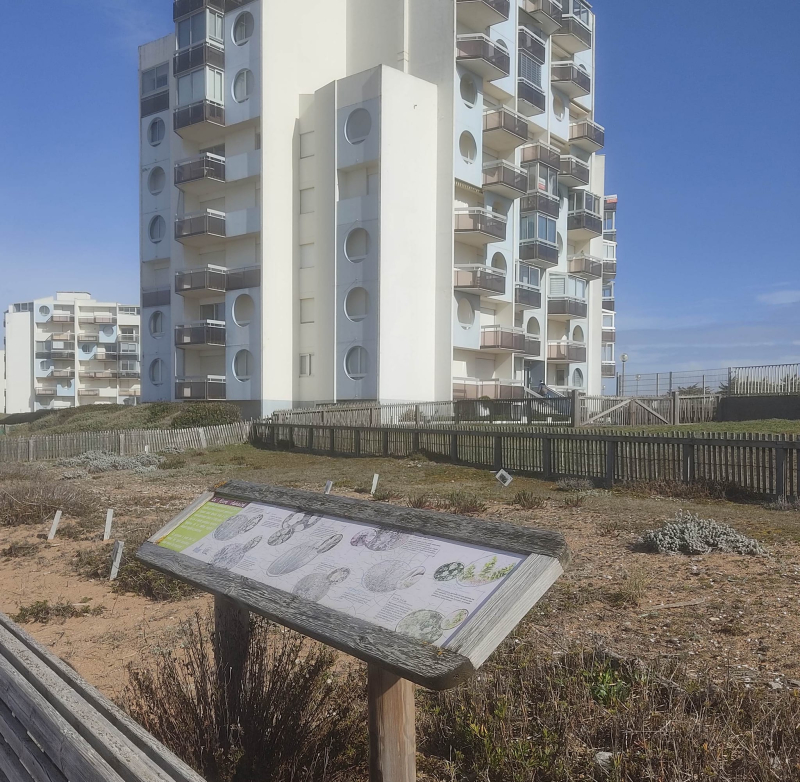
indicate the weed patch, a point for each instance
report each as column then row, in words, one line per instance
column 20, row 550
column 32, row 502
column 461, row 503
column 529, row 500
column 689, row 534
column 575, row 484
column 96, row 462
column 43, row 612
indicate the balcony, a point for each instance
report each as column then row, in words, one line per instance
column 609, row 335
column 566, row 308
column 480, row 279
column 503, row 129
column 571, row 80
column 575, row 33
column 500, row 339
column 104, row 319
column 573, row 172
column 609, row 270
column 532, row 45
column 568, row 352
column 104, row 375
column 199, row 121
column 542, row 153
column 196, row 56
column 201, row 175
column 200, row 228
column 472, row 388
column 546, row 13
column 62, row 317
column 583, row 225
column 212, row 387
column 478, row 226
column 181, row 8
column 42, row 391
column 609, row 304
column 531, row 99
column 608, row 369
column 156, row 297
column 46, row 351
column 88, row 392
column 541, row 202
column 610, row 236
column 586, row 267
column 480, row 14
column 541, row 254
column 63, row 373
column 587, row 135
column 533, row 347
column 210, row 333
column 504, row 179
column 527, row 296
column 482, row 56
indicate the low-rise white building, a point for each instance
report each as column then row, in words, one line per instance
column 2, row 381
column 403, row 203
column 71, row 350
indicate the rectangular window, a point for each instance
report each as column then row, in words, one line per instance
column 608, row 292
column 216, row 86
column 155, row 79
column 610, row 222
column 538, row 226
column 306, row 310
column 128, row 347
column 216, row 26
column 610, row 251
column 608, row 321
column 608, row 351
column 530, row 70
column 529, row 275
column 191, row 88
column 192, row 30
column 306, row 365
column 558, row 286
column 212, row 311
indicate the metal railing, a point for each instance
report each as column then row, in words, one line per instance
column 205, row 333
column 479, row 277
column 202, row 111
column 181, row 8
column 586, row 130
column 567, row 305
column 502, row 338
column 548, row 8
column 532, row 44
column 527, row 296
column 609, row 269
column 213, row 387
column 481, row 220
column 201, row 279
column 582, row 220
column 532, row 94
column 478, row 46
column 564, row 350
column 205, row 166
column 209, row 222
column 541, row 202
column 563, row 72
column 586, row 266
column 777, row 379
column 572, row 26
column 503, row 7
column 542, row 153
column 499, row 172
column 505, row 119
column 205, row 53
column 575, row 169
column 609, row 335
column 538, row 252
column 156, row 297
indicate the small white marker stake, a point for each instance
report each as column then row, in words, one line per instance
column 504, row 478
column 116, row 558
column 328, row 487
column 375, row 483
column 56, row 522
column 109, row 519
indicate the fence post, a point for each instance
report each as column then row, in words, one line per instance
column 611, row 460
column 333, row 441
column 310, row 445
column 30, row 449
column 453, row 447
column 780, row 473
column 676, row 408
column 416, row 416
column 357, row 441
column 547, row 460
column 687, row 450
column 385, row 442
column 576, row 408
column 291, row 437
column 498, row 452
column 415, row 441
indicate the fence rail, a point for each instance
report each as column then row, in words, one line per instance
column 129, row 442
column 759, row 464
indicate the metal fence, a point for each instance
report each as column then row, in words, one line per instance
column 775, row 379
column 758, row 464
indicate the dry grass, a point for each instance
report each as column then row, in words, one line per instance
column 35, row 501
column 529, row 501
column 20, row 550
column 710, row 491
column 42, row 611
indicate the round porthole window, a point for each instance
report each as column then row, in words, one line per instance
column 356, row 304
column 469, row 90
column 157, row 229
column 243, row 366
column 560, row 243
column 44, row 311
column 465, row 314
column 243, row 86
column 157, row 324
column 467, row 147
column 356, row 246
column 356, row 363
column 499, row 262
column 577, row 335
column 243, row 28
column 358, row 126
column 156, row 132
column 243, row 309
column 156, row 180
column 108, row 331
column 87, row 348
column 156, row 372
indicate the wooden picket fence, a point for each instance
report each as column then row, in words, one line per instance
column 128, row 442
column 758, row 464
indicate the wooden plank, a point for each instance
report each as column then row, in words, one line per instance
column 54, row 527
column 11, row 766
column 392, row 734
column 39, row 766
column 422, row 663
column 134, row 733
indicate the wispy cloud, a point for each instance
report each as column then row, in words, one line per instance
column 780, row 298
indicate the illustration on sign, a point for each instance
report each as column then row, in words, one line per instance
column 418, row 585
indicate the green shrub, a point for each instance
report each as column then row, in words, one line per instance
column 209, row 414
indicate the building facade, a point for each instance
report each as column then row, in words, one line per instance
column 609, row 362
column 404, row 203
column 69, row 351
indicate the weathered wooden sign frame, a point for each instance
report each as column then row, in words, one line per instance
column 395, row 660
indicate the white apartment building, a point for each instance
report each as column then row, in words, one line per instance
column 609, row 358
column 394, row 200
column 2, row 381
column 70, row 350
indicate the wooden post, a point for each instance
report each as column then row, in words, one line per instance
column 333, row 442
column 116, row 559
column 231, row 642
column 547, row 458
column 392, row 734
column 453, row 447
column 498, row 452
column 357, row 442
column 688, row 462
column 415, row 441
column 109, row 521
column 386, row 442
column 610, row 463
column 676, row 408
column 780, row 473
column 54, row 527
column 310, row 444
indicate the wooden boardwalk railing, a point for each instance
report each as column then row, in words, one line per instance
column 54, row 727
column 759, row 464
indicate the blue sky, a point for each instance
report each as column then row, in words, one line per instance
column 700, row 104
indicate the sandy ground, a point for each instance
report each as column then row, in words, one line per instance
column 735, row 615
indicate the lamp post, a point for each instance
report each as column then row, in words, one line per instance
column 624, row 359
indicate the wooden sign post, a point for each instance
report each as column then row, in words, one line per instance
column 422, row 597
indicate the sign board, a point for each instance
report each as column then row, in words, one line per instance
column 427, row 596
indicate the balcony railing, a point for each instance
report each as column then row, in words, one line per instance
column 610, row 236
column 156, row 297
column 181, row 8
column 195, row 113
column 547, row 13
column 609, row 269
column 207, row 223
column 502, row 338
column 532, row 44
column 210, row 332
column 42, row 391
column 63, row 318
column 200, row 280
column 609, row 335
column 99, row 319
column 542, row 153
column 567, row 305
column 610, row 305
column 63, row 373
column 528, row 296
column 571, row 79
column 573, row 352
column 206, row 166
column 504, row 129
column 585, row 266
column 212, row 387
column 480, row 14
column 608, row 369
column 532, row 99
column 478, row 278
column 573, row 172
column 585, row 223
column 575, row 34
column 195, row 57
column 472, row 388
column 541, row 202
column 542, row 254
column 54, row 353
column 479, row 53
column 501, row 177
column 487, row 225
column 89, row 392
column 533, row 346
column 587, row 135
